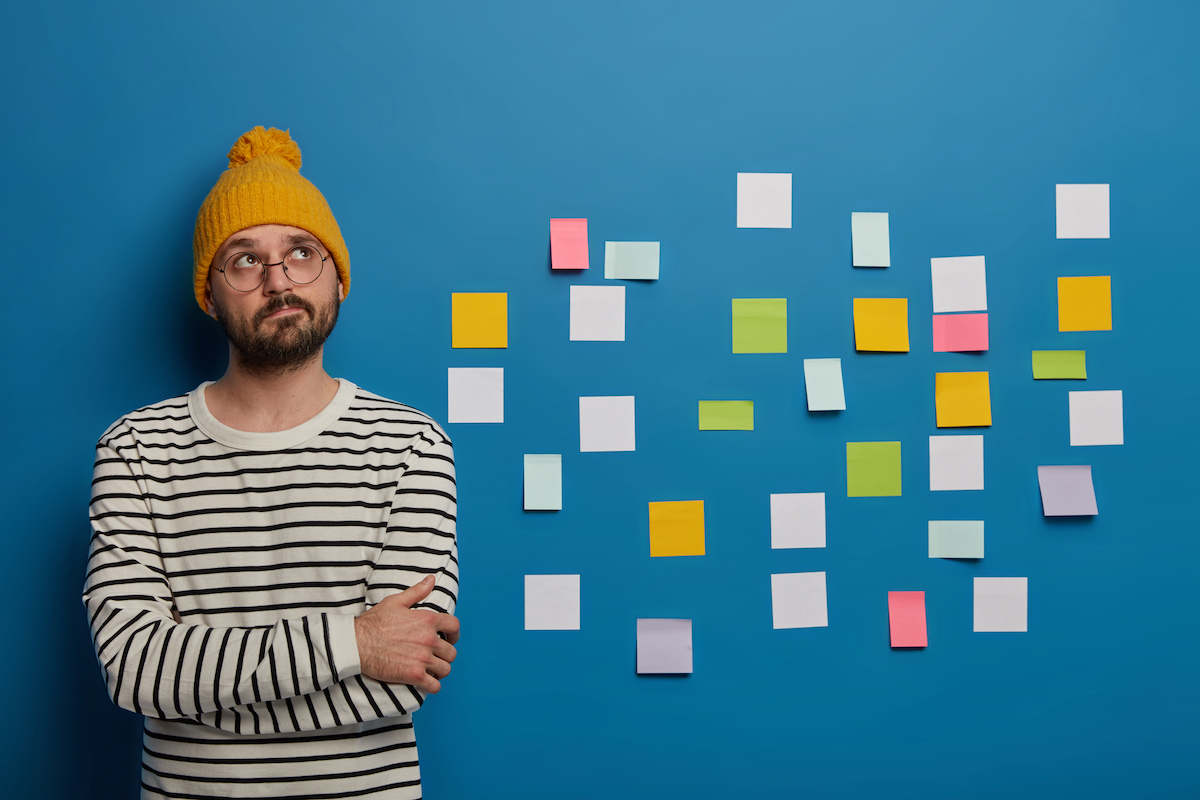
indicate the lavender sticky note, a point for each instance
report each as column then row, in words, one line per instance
column 664, row 646
column 1067, row 491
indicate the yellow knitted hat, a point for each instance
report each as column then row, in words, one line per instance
column 263, row 186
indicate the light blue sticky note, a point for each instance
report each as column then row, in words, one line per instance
column 543, row 482
column 870, row 240
column 634, row 261
column 823, row 383
column 956, row 539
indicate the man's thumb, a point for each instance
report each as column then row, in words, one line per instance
column 416, row 593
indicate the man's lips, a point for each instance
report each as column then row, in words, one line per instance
column 284, row 310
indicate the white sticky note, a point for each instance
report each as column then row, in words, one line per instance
column 1001, row 605
column 823, row 384
column 1081, row 210
column 606, row 424
column 955, row 463
column 798, row 600
column 664, row 646
column 476, row 394
column 551, row 602
column 869, row 239
column 1096, row 418
column 543, row 482
column 597, row 313
column 959, row 284
column 956, row 538
column 764, row 199
column 631, row 261
column 797, row 520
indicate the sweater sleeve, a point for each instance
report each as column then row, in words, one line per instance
column 420, row 540
column 157, row 666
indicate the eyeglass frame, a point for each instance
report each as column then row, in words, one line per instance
column 263, row 262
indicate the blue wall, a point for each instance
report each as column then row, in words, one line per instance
column 445, row 136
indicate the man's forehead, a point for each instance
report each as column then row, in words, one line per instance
column 260, row 236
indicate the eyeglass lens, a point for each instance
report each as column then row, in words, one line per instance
column 302, row 263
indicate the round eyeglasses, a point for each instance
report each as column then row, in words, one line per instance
column 244, row 272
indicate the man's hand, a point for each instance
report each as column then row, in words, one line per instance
column 399, row 644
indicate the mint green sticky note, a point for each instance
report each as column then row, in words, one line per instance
column 726, row 415
column 872, row 469
column 760, row 325
column 869, row 239
column 1052, row 364
column 631, row 261
column 823, row 384
column 543, row 482
column 956, row 538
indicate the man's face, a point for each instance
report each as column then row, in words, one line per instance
column 280, row 325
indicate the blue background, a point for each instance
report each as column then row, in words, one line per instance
column 445, row 136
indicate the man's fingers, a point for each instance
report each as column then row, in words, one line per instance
column 437, row 667
column 430, row 684
column 448, row 625
column 445, row 651
column 415, row 593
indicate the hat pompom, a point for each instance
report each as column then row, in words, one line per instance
column 259, row 142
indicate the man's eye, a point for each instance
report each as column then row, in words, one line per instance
column 245, row 261
column 301, row 253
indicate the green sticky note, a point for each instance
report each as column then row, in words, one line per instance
column 872, row 469
column 543, row 482
column 637, row 261
column 1051, row 364
column 869, row 239
column 956, row 538
column 760, row 325
column 726, row 415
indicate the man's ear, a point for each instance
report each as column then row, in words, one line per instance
column 341, row 291
column 208, row 301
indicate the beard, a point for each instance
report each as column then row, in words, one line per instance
column 295, row 341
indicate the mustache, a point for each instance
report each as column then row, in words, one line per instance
column 280, row 302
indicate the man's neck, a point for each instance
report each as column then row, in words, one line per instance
column 265, row 402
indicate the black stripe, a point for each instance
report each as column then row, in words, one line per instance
column 311, row 605
column 334, row 776
column 305, row 796
column 269, row 740
column 200, row 669
column 271, row 587
column 162, row 662
column 137, row 681
column 370, row 699
column 179, row 668
column 220, row 665
column 281, row 759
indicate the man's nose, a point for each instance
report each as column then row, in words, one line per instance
column 275, row 278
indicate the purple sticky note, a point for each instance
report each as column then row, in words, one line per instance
column 1067, row 491
column 664, row 646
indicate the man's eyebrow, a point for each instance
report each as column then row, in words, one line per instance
column 291, row 239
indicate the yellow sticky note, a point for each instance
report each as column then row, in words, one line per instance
column 963, row 399
column 881, row 324
column 479, row 319
column 677, row 528
column 1085, row 304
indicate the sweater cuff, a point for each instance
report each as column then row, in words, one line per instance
column 343, row 646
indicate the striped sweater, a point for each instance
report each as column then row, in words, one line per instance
column 224, row 575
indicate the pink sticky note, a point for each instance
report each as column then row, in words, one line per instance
column 960, row 333
column 568, row 244
column 906, row 610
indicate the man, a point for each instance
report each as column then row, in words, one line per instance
column 273, row 567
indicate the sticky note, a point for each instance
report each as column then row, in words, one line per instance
column 1081, row 210
column 798, row 600
column 543, row 482
column 551, row 602
column 960, row 333
column 637, row 261
column 476, row 394
column 726, row 415
column 606, row 424
column 764, row 199
column 664, row 646
column 1057, row 364
column 959, row 284
column 956, row 463
column 1096, row 418
column 568, row 244
column 597, row 313
column 760, row 325
column 869, row 239
column 677, row 528
column 956, row 538
column 1085, row 304
column 823, row 384
column 881, row 324
column 1067, row 491
column 797, row 520
column 479, row 319
column 963, row 399
column 1001, row 605
column 872, row 469
column 906, row 619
